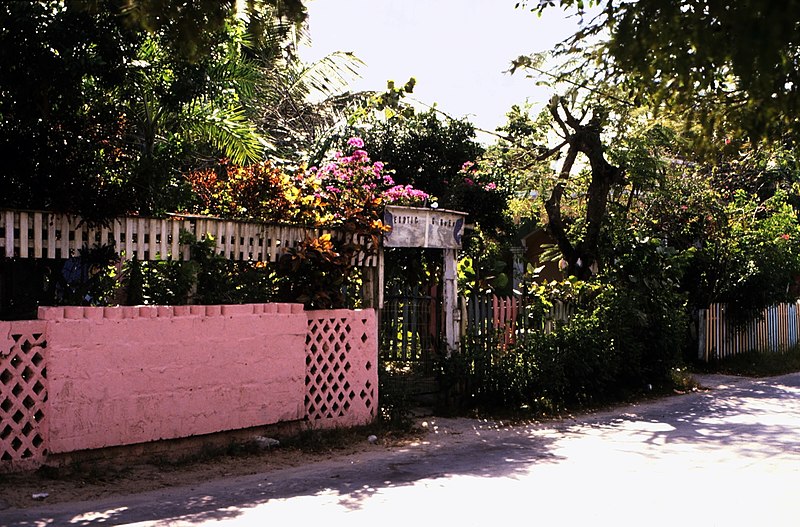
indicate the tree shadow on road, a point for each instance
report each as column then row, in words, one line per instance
column 480, row 449
column 750, row 419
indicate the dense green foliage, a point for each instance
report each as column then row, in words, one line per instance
column 105, row 105
column 99, row 118
column 619, row 339
column 730, row 66
column 206, row 279
column 676, row 228
column 443, row 158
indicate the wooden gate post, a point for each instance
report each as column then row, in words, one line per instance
column 452, row 314
column 518, row 268
column 372, row 283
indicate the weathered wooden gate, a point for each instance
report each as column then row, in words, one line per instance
column 420, row 324
column 411, row 327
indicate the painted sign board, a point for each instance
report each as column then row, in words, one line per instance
column 426, row 228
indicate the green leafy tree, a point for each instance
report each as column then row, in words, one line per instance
column 100, row 114
column 424, row 150
column 57, row 138
column 730, row 66
column 176, row 112
column 442, row 157
column 192, row 29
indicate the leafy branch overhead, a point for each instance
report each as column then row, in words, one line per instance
column 731, row 67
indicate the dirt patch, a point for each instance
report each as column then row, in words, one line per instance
column 84, row 483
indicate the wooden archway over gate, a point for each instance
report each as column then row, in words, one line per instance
column 414, row 227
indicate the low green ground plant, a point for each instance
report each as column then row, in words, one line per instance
column 755, row 363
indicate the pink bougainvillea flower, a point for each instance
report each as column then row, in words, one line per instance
column 400, row 192
column 378, row 165
column 785, row 236
column 490, row 186
column 355, row 142
column 468, row 182
column 467, row 165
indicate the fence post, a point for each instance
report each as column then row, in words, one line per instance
column 452, row 315
column 518, row 268
column 702, row 352
column 372, row 282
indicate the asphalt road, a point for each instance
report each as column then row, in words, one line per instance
column 727, row 456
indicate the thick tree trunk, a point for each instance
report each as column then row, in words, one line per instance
column 582, row 255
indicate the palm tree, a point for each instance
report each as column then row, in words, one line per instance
column 250, row 98
column 299, row 105
column 178, row 113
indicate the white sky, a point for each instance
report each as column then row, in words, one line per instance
column 458, row 50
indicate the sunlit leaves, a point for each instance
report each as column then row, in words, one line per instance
column 731, row 67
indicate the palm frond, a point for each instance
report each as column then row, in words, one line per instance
column 241, row 75
column 328, row 76
column 228, row 130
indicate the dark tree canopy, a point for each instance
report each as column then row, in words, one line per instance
column 50, row 57
column 731, row 66
column 191, row 27
column 425, row 151
column 103, row 103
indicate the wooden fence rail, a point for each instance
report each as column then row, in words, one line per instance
column 776, row 331
column 37, row 234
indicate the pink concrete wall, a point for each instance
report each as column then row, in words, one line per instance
column 124, row 375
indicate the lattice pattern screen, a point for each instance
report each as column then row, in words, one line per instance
column 340, row 374
column 23, row 393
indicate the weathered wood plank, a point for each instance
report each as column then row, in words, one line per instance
column 9, row 237
column 38, row 248
column 23, row 235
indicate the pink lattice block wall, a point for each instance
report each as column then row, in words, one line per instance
column 124, row 375
column 341, row 368
column 23, row 394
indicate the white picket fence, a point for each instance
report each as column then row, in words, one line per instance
column 38, row 234
column 776, row 331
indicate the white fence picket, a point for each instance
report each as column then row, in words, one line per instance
column 38, row 234
column 775, row 331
